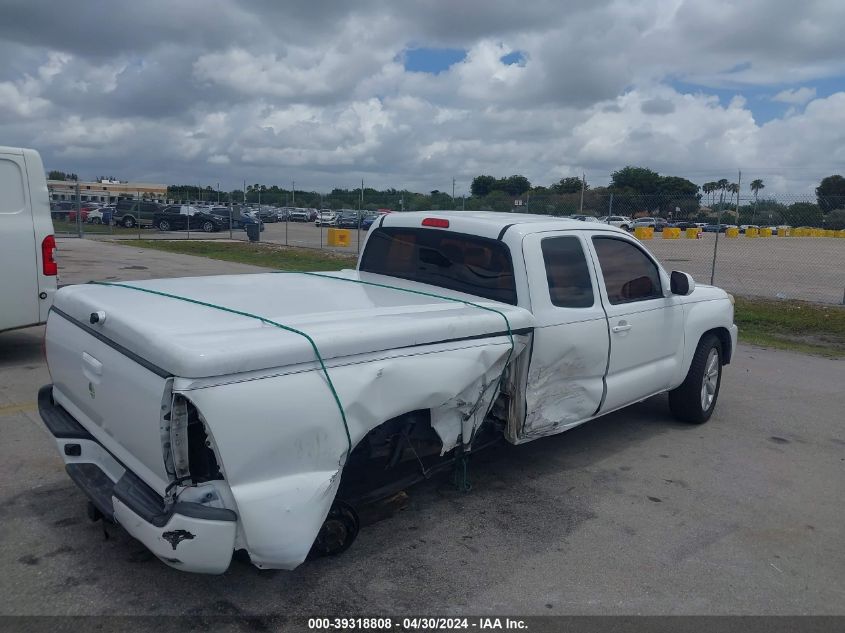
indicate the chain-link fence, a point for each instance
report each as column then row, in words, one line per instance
column 776, row 246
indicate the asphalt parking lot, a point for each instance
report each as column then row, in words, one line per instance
column 630, row 514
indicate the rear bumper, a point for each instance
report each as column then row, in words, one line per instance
column 185, row 535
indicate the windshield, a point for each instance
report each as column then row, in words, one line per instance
column 466, row 263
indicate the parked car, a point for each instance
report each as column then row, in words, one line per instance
column 585, row 218
column 368, row 220
column 326, row 218
column 282, row 214
column 28, row 269
column 59, row 210
column 619, row 221
column 84, row 211
column 129, row 213
column 267, row 214
column 179, row 217
column 247, row 218
column 298, row 215
column 744, row 227
column 716, row 228
column 262, row 417
column 658, row 224
column 102, row 215
column 348, row 219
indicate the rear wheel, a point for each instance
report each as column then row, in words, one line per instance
column 128, row 222
column 208, row 226
column 694, row 400
column 337, row 532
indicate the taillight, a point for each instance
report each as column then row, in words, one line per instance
column 48, row 256
column 438, row 223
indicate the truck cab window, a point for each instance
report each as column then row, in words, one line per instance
column 466, row 263
column 629, row 274
column 567, row 273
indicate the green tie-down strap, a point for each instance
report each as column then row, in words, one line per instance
column 310, row 340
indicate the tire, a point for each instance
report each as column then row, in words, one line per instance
column 163, row 225
column 695, row 399
column 208, row 226
column 128, row 222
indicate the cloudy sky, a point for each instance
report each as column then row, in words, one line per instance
column 412, row 94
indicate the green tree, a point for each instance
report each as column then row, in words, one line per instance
column 571, row 184
column 835, row 220
column 803, row 214
column 831, row 193
column 482, row 185
column 515, row 185
column 635, row 180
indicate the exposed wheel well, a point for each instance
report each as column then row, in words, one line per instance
column 725, row 339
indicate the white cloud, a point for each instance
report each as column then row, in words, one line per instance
column 796, row 96
column 318, row 92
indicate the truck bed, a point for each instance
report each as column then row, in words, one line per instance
column 343, row 318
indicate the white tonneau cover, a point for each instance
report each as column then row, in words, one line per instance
column 343, row 318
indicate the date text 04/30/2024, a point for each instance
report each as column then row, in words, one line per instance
column 417, row 623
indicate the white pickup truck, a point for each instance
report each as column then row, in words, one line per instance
column 257, row 412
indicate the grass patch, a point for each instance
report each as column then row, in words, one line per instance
column 793, row 325
column 267, row 255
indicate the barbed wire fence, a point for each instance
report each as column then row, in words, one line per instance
column 776, row 246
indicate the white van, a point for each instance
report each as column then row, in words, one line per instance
column 28, row 269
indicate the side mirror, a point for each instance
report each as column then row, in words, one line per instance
column 681, row 283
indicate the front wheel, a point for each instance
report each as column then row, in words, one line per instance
column 128, row 222
column 163, row 225
column 694, row 400
column 208, row 226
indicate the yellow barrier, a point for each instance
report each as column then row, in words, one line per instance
column 818, row 233
column 692, row 234
column 338, row 237
column 671, row 233
column 784, row 231
column 829, row 233
column 752, row 232
column 732, row 232
column 765, row 232
column 643, row 232
column 840, row 233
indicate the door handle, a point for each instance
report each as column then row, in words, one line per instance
column 622, row 327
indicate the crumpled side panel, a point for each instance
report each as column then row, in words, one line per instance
column 282, row 443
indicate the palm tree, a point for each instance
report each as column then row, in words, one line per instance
column 756, row 185
column 722, row 185
column 733, row 189
column 707, row 188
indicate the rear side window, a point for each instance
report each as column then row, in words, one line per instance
column 466, row 263
column 567, row 272
column 629, row 274
column 11, row 187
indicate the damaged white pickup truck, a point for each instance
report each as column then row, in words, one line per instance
column 257, row 412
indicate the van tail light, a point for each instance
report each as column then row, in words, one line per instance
column 48, row 256
column 438, row 223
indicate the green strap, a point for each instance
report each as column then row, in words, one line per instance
column 311, row 340
column 259, row 318
column 435, row 296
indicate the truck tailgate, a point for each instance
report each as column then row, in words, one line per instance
column 118, row 398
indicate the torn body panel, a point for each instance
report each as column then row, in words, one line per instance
column 284, row 457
